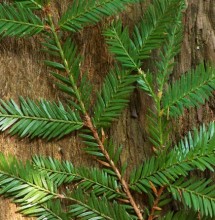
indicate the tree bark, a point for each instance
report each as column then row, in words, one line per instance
column 22, row 72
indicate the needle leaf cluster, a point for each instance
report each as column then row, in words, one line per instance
column 47, row 188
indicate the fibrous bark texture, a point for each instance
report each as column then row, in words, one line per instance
column 22, row 73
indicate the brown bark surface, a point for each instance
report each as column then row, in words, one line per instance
column 22, row 73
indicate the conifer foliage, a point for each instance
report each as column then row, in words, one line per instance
column 104, row 193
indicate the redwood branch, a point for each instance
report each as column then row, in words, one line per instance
column 125, row 186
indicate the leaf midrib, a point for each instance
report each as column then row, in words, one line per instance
column 51, row 212
column 71, row 18
column 21, row 22
column 108, row 103
column 40, row 119
column 154, row 28
column 199, row 194
column 55, row 194
column 192, row 91
column 28, row 183
column 125, row 50
column 80, row 176
column 189, row 160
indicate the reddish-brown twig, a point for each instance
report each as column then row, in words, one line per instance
column 155, row 207
column 89, row 124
